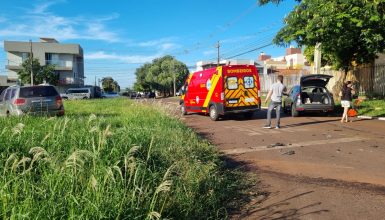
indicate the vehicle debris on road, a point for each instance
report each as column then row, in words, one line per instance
column 276, row 145
column 290, row 152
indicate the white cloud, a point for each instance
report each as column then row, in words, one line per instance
column 164, row 44
column 209, row 52
column 133, row 59
column 169, row 46
column 42, row 8
column 153, row 43
column 41, row 23
column 3, row 19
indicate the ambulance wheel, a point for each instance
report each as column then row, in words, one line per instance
column 183, row 109
column 213, row 112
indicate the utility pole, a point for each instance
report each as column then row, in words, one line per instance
column 31, row 60
column 95, row 80
column 317, row 59
column 218, row 58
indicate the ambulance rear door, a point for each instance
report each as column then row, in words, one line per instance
column 241, row 87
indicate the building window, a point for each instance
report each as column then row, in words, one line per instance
column 24, row 56
column 48, row 58
column 52, row 58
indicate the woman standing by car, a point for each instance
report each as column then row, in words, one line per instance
column 346, row 95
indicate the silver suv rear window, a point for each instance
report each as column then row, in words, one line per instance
column 38, row 91
column 78, row 91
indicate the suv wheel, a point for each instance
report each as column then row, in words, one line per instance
column 294, row 112
column 213, row 113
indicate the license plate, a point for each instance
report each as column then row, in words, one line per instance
column 251, row 99
column 234, row 101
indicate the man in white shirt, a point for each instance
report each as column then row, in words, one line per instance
column 276, row 92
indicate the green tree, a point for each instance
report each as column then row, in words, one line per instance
column 110, row 85
column 41, row 74
column 159, row 75
column 350, row 32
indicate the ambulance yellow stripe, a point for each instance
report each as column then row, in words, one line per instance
column 252, row 92
column 214, row 82
column 228, row 94
column 189, row 78
column 236, row 94
column 188, row 83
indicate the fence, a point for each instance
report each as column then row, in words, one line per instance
column 289, row 80
column 370, row 80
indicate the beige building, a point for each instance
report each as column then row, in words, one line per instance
column 67, row 58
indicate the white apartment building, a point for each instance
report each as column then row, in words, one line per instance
column 67, row 58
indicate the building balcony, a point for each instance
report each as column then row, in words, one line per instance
column 60, row 64
column 66, row 81
column 13, row 67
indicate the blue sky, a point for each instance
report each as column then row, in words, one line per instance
column 119, row 36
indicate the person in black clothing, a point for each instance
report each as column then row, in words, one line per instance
column 346, row 94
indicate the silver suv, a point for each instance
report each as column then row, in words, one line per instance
column 35, row 100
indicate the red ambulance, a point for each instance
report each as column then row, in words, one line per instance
column 221, row 90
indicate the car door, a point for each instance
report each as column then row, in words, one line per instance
column 288, row 99
column 9, row 101
column 2, row 104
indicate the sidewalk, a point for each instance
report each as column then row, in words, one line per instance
column 371, row 117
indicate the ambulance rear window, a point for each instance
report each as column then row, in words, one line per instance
column 232, row 83
column 249, row 82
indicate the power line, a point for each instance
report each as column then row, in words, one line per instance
column 212, row 34
column 249, row 51
column 250, row 44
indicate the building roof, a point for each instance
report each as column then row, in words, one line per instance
column 275, row 62
column 290, row 71
column 48, row 40
column 47, row 47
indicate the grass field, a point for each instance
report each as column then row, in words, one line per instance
column 112, row 159
column 372, row 108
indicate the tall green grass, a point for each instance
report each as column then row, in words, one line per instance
column 110, row 159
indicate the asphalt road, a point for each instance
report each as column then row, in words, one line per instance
column 323, row 170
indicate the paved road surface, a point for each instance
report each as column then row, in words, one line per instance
column 324, row 170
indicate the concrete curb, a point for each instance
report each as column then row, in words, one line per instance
column 371, row 117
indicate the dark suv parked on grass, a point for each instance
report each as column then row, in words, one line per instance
column 310, row 96
column 34, row 100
